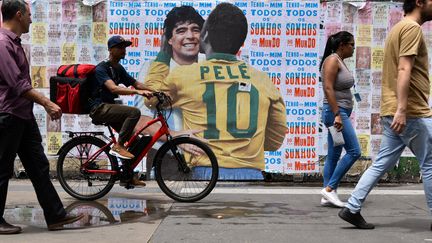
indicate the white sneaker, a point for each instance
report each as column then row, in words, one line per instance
column 325, row 203
column 333, row 198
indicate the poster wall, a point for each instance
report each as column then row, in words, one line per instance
column 285, row 40
column 282, row 41
column 63, row 32
column 369, row 22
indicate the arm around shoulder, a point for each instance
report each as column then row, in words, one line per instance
column 158, row 72
column 168, row 86
column 276, row 120
column 276, row 125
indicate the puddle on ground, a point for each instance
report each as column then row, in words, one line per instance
column 245, row 209
column 117, row 210
column 96, row 213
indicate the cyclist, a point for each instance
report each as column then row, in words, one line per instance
column 109, row 75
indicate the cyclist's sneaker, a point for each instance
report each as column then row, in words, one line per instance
column 133, row 182
column 121, row 152
column 137, row 182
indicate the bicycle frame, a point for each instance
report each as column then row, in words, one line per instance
column 163, row 130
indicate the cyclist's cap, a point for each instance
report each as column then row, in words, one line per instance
column 118, row 40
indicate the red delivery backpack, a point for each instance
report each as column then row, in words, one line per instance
column 71, row 89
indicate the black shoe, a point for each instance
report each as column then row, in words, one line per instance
column 68, row 219
column 6, row 228
column 355, row 219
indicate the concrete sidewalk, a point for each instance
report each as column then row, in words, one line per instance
column 234, row 212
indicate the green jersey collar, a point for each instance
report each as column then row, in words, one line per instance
column 163, row 57
column 222, row 56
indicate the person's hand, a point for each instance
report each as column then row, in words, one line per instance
column 338, row 123
column 192, row 149
column 189, row 147
column 53, row 110
column 399, row 122
column 146, row 93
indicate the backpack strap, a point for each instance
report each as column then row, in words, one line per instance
column 76, row 70
column 62, row 74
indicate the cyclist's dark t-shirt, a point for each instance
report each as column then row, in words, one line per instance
column 105, row 71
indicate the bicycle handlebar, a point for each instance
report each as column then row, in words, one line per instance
column 162, row 97
column 163, row 101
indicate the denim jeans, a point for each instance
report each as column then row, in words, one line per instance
column 417, row 135
column 334, row 170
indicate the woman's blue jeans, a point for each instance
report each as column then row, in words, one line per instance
column 335, row 169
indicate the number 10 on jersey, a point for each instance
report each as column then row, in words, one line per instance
column 209, row 98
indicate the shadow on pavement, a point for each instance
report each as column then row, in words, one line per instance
column 414, row 225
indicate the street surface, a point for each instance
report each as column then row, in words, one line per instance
column 234, row 212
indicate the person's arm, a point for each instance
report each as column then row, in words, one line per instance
column 403, row 81
column 53, row 110
column 168, row 86
column 20, row 84
column 115, row 89
column 159, row 68
column 158, row 72
column 410, row 42
column 142, row 89
column 103, row 77
column 141, row 86
column 330, row 70
column 276, row 126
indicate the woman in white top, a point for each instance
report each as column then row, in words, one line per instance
column 337, row 108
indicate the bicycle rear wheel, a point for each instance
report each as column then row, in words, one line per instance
column 80, row 184
column 186, row 184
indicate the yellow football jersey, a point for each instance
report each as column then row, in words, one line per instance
column 238, row 108
column 157, row 72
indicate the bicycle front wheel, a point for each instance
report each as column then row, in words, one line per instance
column 186, row 169
column 78, row 183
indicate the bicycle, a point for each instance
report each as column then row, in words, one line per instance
column 87, row 171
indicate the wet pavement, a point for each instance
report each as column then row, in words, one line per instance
column 235, row 212
column 107, row 212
